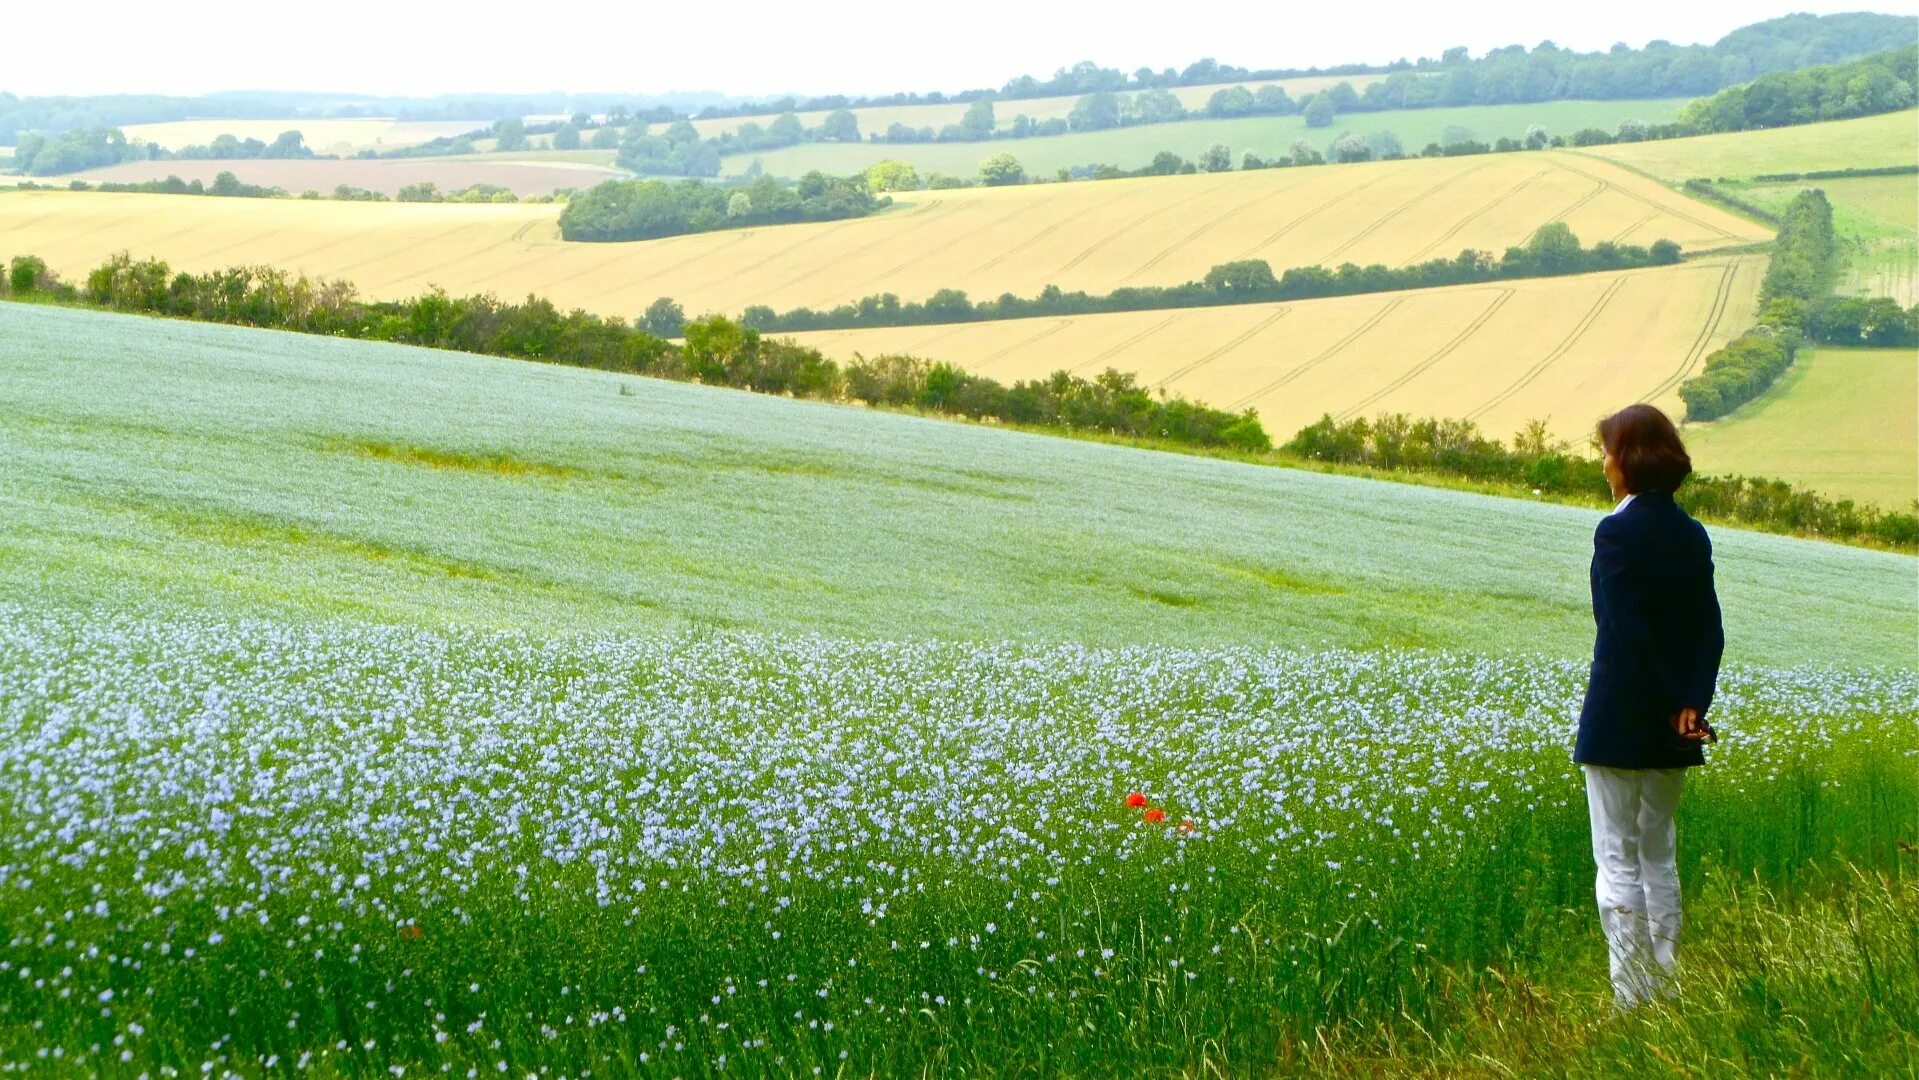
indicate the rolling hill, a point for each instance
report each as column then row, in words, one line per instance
column 323, row 136
column 1841, row 421
column 385, row 176
column 1868, row 142
column 1094, row 236
column 1269, row 136
column 156, row 462
column 1566, row 350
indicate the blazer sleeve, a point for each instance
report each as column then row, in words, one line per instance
column 1628, row 621
column 1703, row 669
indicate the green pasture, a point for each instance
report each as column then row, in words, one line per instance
column 1876, row 219
column 1269, row 136
column 1868, row 142
column 240, row 470
column 1840, row 422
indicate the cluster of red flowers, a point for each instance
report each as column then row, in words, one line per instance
column 1154, row 815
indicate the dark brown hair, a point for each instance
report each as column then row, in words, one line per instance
column 1647, row 448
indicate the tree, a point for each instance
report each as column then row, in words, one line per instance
column 1319, row 111
column 581, row 120
column 1302, row 152
column 511, row 134
column 1351, row 148
column 1000, row 170
column 978, row 123
column 424, row 191
column 289, row 144
column 605, row 137
column 1384, row 144
column 567, row 137
column 740, row 205
column 1217, row 158
column 1244, row 276
column 1343, row 97
column 786, row 129
column 1231, row 101
column 892, row 176
column 840, row 125
column 1536, row 137
column 1157, row 107
column 1095, row 112
column 1454, row 134
column 663, row 318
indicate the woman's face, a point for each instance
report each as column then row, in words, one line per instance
column 1614, row 477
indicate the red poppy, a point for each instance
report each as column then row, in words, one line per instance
column 1155, row 816
column 1135, row 800
column 411, row 931
column 1186, row 826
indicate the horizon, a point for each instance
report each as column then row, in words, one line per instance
column 157, row 56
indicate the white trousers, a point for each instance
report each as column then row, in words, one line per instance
column 1638, row 881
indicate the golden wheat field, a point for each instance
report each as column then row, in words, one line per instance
column 1091, row 235
column 1565, row 350
column 880, row 117
column 322, row 136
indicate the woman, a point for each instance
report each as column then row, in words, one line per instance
column 1643, row 723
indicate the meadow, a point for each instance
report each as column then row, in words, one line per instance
column 1095, row 235
column 311, row 477
column 323, row 136
column 1558, row 349
column 250, row 847
column 385, row 176
column 1268, row 136
column 366, row 708
column 1866, row 143
column 1841, row 421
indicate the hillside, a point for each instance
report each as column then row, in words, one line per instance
column 1269, row 136
column 1560, row 349
column 161, row 462
column 1094, row 236
column 1868, row 142
column 1842, row 421
column 1876, row 219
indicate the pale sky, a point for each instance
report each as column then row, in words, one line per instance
column 750, row 47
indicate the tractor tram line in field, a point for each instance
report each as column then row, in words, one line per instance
column 1703, row 344
column 1414, row 372
column 1547, row 361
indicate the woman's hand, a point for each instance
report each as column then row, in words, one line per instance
column 1692, row 727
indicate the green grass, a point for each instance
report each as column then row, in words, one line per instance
column 229, row 469
column 235, row 846
column 1876, row 219
column 1868, row 142
column 1840, row 422
column 1130, row 148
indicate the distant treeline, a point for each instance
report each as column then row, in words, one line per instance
column 1552, row 250
column 1394, row 443
column 1881, row 83
column 227, row 184
column 73, row 151
column 1501, row 76
column 1798, row 277
column 716, row 350
column 648, row 209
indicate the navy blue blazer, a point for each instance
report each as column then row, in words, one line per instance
column 1659, row 639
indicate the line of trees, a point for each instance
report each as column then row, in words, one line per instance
column 93, row 148
column 648, row 209
column 1880, row 83
column 1799, row 276
column 715, row 350
column 1397, row 442
column 1502, row 76
column 227, row 184
column 1551, row 251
